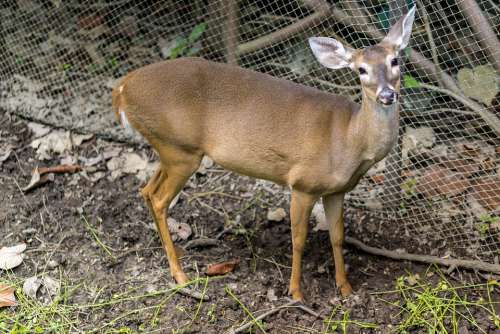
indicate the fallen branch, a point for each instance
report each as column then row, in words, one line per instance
column 202, row 242
column 470, row 264
column 291, row 304
column 322, row 12
column 188, row 292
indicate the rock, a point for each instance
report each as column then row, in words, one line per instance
column 276, row 215
column 440, row 181
column 318, row 213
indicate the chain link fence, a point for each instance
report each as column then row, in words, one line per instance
column 440, row 185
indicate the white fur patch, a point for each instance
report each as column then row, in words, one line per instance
column 121, row 88
column 124, row 120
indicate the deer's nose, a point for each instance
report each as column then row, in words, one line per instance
column 387, row 96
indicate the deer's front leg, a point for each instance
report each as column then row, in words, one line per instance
column 335, row 216
column 300, row 211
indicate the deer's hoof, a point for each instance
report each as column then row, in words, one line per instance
column 345, row 289
column 180, row 277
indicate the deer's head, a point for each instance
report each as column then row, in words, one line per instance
column 377, row 65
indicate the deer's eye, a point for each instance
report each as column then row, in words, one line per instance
column 394, row 62
column 362, row 70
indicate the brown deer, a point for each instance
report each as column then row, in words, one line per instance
column 319, row 144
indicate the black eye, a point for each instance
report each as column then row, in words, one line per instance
column 394, row 62
column 362, row 70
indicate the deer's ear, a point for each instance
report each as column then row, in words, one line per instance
column 330, row 52
column 399, row 35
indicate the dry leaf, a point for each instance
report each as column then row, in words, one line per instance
column 479, row 83
column 7, row 297
column 179, row 230
column 55, row 142
column 31, row 286
column 37, row 180
column 60, row 169
column 5, row 155
column 276, row 215
column 38, row 129
column 222, row 268
column 11, row 257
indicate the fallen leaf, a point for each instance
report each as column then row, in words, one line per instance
column 55, row 142
column 51, row 285
column 276, row 215
column 38, row 129
column 222, row 268
column 31, row 286
column 412, row 279
column 179, row 230
column 271, row 295
column 38, row 180
column 486, row 191
column 205, row 164
column 5, row 155
column 378, row 178
column 7, row 297
column 60, row 169
column 78, row 139
column 11, row 257
column 479, row 83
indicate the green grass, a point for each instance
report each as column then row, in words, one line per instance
column 440, row 307
column 33, row 316
column 425, row 305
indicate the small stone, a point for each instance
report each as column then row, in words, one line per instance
column 276, row 215
column 52, row 264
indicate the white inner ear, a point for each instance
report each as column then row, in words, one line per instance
column 407, row 25
column 330, row 52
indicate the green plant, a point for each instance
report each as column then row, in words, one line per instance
column 185, row 45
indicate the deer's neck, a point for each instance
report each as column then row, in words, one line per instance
column 376, row 128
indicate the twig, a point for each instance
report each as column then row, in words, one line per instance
column 202, row 242
column 290, row 304
column 477, row 265
column 190, row 293
column 480, row 25
column 304, row 308
column 262, row 316
column 488, row 117
column 323, row 10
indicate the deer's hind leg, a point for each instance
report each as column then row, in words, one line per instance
column 175, row 169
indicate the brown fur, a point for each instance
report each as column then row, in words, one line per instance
column 317, row 143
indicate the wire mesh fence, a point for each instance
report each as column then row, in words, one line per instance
column 440, row 185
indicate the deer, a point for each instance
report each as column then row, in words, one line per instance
column 317, row 143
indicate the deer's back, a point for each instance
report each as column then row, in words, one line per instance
column 223, row 111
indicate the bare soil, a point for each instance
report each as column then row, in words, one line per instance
column 60, row 244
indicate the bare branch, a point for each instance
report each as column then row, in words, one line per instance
column 470, row 264
column 482, row 28
column 282, row 34
column 488, row 117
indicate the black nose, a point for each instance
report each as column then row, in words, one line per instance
column 387, row 96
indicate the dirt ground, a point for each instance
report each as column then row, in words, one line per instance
column 95, row 236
